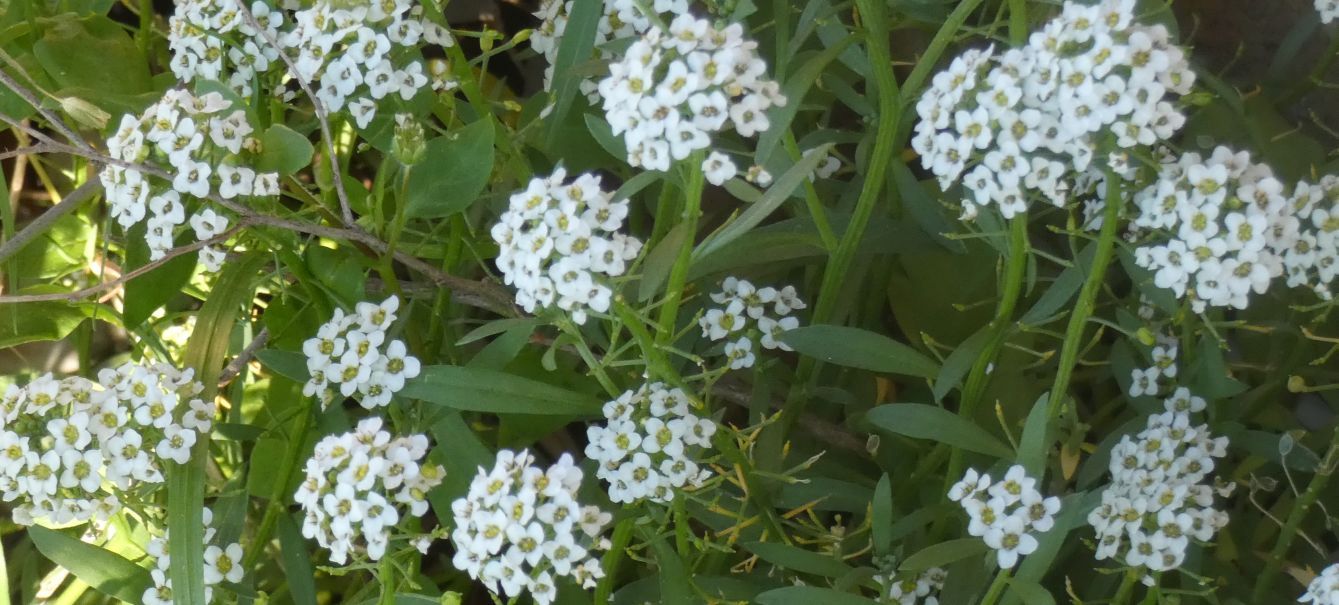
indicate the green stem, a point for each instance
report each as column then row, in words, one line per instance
column 811, row 200
column 1012, row 289
column 613, row 559
column 386, row 577
column 692, row 209
column 1126, row 590
column 588, row 356
column 682, row 543
column 1018, row 22
column 278, row 495
column 1083, row 307
column 996, row 589
column 1289, row 531
column 1307, row 84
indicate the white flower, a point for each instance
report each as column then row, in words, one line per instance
column 1005, row 513
column 643, row 449
column 1324, row 588
column 1010, row 540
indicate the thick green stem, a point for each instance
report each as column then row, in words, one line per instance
column 613, row 559
column 692, row 209
column 996, row 589
column 386, row 577
column 1126, row 590
column 1018, row 22
column 1010, row 291
column 1289, row 531
column 1083, row 307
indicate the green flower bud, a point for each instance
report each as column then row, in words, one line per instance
column 410, row 141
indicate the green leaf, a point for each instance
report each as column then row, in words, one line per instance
column 461, row 453
column 881, row 516
column 108, row 572
column 481, row 390
column 810, row 595
column 289, row 364
column 297, row 563
column 660, row 261
column 959, row 363
column 604, row 135
column 772, row 199
column 1032, row 445
column 146, row 293
column 495, row 327
column 454, row 170
column 284, row 150
column 794, row 90
column 676, row 586
column 920, row 421
column 939, row 555
column 1062, row 289
column 35, row 321
column 1031, row 593
column 798, row 559
column 107, row 69
column 924, row 208
column 575, row 47
column 857, row 348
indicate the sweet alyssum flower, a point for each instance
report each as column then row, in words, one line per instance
column 358, row 55
column 919, row 588
column 1324, row 588
column 213, row 40
column 350, row 354
column 645, row 449
column 71, row 449
column 621, row 19
column 1328, row 9
column 673, row 89
column 559, row 239
column 223, row 563
column 1313, row 258
column 206, row 142
column 1006, row 513
column 747, row 313
column 1017, row 125
column 521, row 526
column 1216, row 229
column 360, row 485
column 1156, row 503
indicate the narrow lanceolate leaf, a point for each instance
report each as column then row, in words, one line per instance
column 798, row 559
column 205, row 353
column 102, row 569
column 482, row 390
column 943, row 553
column 297, row 562
column 920, row 421
column 857, row 348
column 795, row 88
column 578, row 41
column 810, row 595
column 881, row 516
column 772, row 199
column 289, row 364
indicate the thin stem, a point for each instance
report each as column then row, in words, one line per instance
column 386, row 577
column 1317, row 73
column 1289, row 531
column 588, row 356
column 613, row 559
column 996, row 589
column 1126, row 590
column 692, row 209
column 1083, row 307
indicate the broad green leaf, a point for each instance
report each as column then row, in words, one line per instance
column 943, row 553
column 454, row 170
column 772, row 199
column 146, row 293
column 107, row 69
column 660, row 261
column 881, row 516
column 36, row 321
column 920, row 421
column 296, row 558
column 262, row 477
column 108, row 572
column 289, row 364
column 810, row 595
column 480, row 390
column 284, row 150
column 461, row 453
column 857, row 348
column 798, row 559
column 575, row 47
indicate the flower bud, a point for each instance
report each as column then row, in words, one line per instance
column 410, row 141
column 84, row 112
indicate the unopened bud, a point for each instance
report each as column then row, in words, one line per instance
column 1146, row 337
column 521, row 36
column 409, row 142
column 85, row 113
column 1296, row 384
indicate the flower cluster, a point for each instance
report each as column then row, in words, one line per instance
column 350, row 354
column 744, row 309
column 621, row 19
column 1324, row 588
column 222, row 563
column 1328, row 9
column 213, row 40
column 556, row 240
column 1218, row 228
column 68, row 447
column 1023, row 120
column 355, row 56
column 353, row 484
column 643, row 449
column 1155, row 503
column 922, row 588
column 191, row 133
column 1004, row 513
column 672, row 89
column 1313, row 258
column 520, row 526
column 1148, row 381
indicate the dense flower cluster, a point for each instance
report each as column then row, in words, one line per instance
column 350, row 354
column 356, row 55
column 213, row 40
column 922, row 588
column 68, row 447
column 520, row 526
column 1313, row 259
column 672, row 89
column 1004, row 514
column 744, row 311
column 1155, row 503
column 190, row 133
column 353, row 485
column 644, row 448
column 558, row 238
column 1328, row 9
column 1219, row 228
column 1018, row 123
column 222, row 563
column 1324, row 588
column 621, row 19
